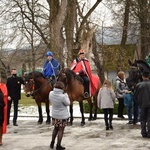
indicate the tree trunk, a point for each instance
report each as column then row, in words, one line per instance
column 144, row 17
column 58, row 11
column 124, row 34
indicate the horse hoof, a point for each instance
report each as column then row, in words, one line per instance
column 94, row 118
column 82, row 123
column 39, row 123
column 70, row 124
column 48, row 122
column 90, row 119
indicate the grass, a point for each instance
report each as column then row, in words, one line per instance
column 29, row 101
column 26, row 101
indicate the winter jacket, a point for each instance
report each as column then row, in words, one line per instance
column 106, row 98
column 142, row 93
column 120, row 86
column 14, row 87
column 60, row 101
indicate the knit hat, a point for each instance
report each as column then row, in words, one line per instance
column 49, row 53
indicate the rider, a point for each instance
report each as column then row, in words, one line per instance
column 51, row 66
column 81, row 67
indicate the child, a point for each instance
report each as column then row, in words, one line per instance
column 128, row 102
column 106, row 101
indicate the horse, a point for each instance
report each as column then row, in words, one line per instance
column 75, row 90
column 135, row 76
column 36, row 85
column 135, row 73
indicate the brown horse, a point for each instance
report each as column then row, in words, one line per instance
column 75, row 89
column 39, row 87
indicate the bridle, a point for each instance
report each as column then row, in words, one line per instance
column 135, row 77
column 62, row 77
column 33, row 91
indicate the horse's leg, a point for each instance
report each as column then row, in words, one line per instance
column 40, row 121
column 82, row 113
column 48, row 121
column 71, row 114
column 95, row 107
column 91, row 107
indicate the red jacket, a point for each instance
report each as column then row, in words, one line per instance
column 83, row 67
column 4, row 90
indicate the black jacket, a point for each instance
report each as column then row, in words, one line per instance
column 14, row 87
column 142, row 93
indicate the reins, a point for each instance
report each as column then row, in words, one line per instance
column 33, row 87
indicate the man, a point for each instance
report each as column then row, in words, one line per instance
column 142, row 94
column 14, row 94
column 81, row 66
column 51, row 66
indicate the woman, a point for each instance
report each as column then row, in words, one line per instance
column 3, row 106
column 120, row 91
column 60, row 114
column 106, row 101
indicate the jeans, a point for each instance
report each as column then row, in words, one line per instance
column 129, row 111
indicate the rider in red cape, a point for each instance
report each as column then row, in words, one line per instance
column 81, row 66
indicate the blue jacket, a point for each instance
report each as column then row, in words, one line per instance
column 51, row 68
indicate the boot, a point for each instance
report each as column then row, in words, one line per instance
column 52, row 144
column 1, row 134
column 59, row 147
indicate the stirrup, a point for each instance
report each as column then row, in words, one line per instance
column 86, row 95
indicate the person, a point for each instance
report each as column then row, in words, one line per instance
column 14, row 94
column 3, row 106
column 51, row 66
column 60, row 114
column 81, row 67
column 120, row 91
column 128, row 103
column 142, row 94
column 106, row 101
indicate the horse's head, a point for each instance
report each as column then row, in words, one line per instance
column 66, row 76
column 135, row 72
column 28, row 85
column 62, row 76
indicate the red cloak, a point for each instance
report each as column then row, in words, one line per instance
column 84, row 66
column 4, row 90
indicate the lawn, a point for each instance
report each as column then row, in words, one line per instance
column 26, row 101
column 29, row 101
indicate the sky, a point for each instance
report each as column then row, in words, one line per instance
column 101, row 17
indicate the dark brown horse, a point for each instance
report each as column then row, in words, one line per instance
column 75, row 89
column 135, row 72
column 39, row 87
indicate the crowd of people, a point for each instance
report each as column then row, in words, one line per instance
column 107, row 97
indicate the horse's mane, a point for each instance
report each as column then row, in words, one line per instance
column 36, row 74
column 71, row 74
column 143, row 64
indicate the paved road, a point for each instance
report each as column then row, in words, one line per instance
column 93, row 136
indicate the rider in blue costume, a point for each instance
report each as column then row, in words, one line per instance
column 51, row 66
